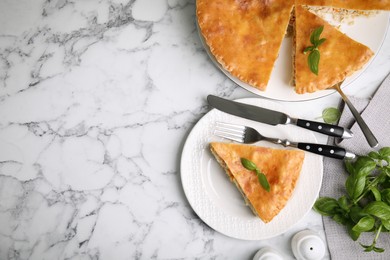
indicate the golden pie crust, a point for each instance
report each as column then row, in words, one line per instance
column 245, row 35
column 281, row 167
column 340, row 57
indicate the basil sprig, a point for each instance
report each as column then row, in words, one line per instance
column 249, row 165
column 366, row 205
column 314, row 56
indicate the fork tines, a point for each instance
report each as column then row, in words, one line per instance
column 230, row 131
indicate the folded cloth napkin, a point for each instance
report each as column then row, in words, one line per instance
column 376, row 113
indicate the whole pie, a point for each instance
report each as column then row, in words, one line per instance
column 245, row 36
column 281, row 167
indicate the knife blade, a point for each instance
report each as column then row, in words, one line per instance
column 272, row 117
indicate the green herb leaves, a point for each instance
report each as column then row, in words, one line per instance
column 366, row 205
column 314, row 56
column 331, row 115
column 249, row 165
column 326, row 206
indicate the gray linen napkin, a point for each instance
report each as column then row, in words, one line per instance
column 376, row 113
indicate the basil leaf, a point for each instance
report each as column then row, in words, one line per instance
column 387, row 160
column 374, row 155
column 326, row 206
column 385, row 195
column 356, row 213
column 314, row 57
column 367, row 248
column 313, row 61
column 355, row 185
column 378, row 249
column 384, row 152
column 339, row 218
column 386, row 224
column 349, row 166
column 382, row 177
column 387, row 170
column 331, row 115
column 315, row 35
column 378, row 209
column 376, row 193
column 353, row 234
column 249, row 165
column 364, row 165
column 343, row 203
column 263, row 181
column 321, row 41
column 365, row 224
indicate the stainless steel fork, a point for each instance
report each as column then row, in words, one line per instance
column 249, row 135
column 370, row 137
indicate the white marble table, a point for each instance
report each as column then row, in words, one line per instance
column 96, row 101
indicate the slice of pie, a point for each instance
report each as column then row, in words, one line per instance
column 281, row 167
column 245, row 35
column 340, row 56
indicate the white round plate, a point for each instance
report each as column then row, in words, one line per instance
column 218, row 202
column 370, row 31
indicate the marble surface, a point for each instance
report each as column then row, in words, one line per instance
column 96, row 101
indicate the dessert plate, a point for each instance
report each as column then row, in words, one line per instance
column 218, row 202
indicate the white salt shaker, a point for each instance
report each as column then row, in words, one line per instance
column 267, row 253
column 308, row 245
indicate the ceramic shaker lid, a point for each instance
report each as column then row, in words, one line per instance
column 307, row 245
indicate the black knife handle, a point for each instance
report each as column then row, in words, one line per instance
column 323, row 128
column 326, row 150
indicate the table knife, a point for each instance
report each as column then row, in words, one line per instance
column 272, row 117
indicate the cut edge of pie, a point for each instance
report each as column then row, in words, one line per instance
column 340, row 56
column 282, row 168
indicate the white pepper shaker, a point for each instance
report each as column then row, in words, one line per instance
column 268, row 253
column 308, row 245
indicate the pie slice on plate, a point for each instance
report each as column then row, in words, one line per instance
column 281, row 167
column 245, row 35
column 340, row 56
